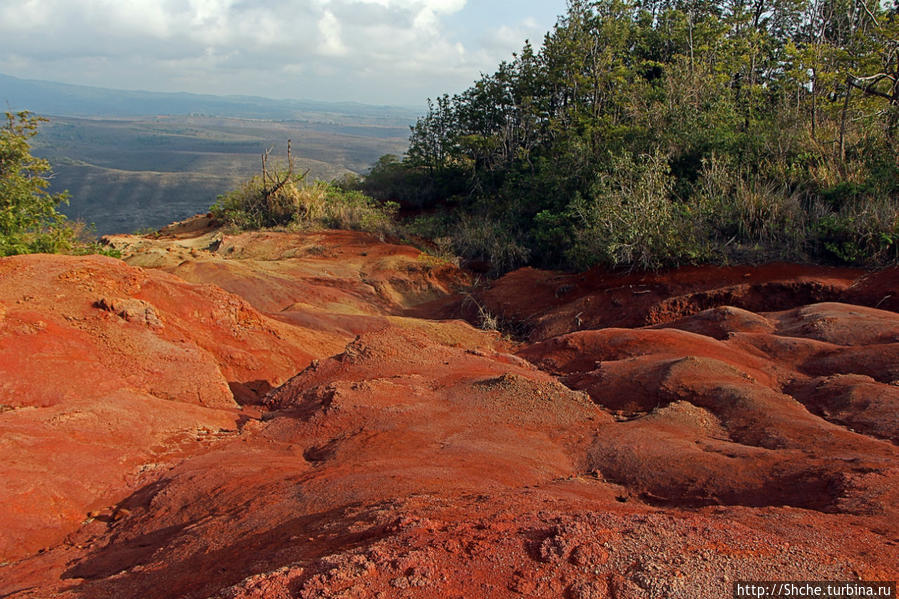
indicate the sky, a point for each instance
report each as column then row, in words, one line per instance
column 396, row 52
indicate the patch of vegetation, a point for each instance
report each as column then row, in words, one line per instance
column 29, row 220
column 283, row 199
column 650, row 134
column 486, row 320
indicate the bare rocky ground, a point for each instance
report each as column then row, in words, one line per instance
column 297, row 415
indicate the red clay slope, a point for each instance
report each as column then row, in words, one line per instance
column 107, row 369
column 422, row 459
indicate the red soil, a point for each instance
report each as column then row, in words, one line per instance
column 746, row 432
column 552, row 304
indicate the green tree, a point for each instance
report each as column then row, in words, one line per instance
column 29, row 221
column 774, row 122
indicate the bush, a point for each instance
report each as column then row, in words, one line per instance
column 864, row 234
column 746, row 216
column 488, row 239
column 631, row 220
column 412, row 187
column 294, row 204
column 29, row 221
column 458, row 234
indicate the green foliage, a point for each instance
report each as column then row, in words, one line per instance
column 299, row 205
column 650, row 133
column 483, row 236
column 630, row 219
column 29, row 222
column 748, row 216
column 410, row 186
column 490, row 239
column 865, row 236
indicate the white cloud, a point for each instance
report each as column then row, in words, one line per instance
column 513, row 36
column 33, row 12
column 436, row 6
column 296, row 47
column 329, row 28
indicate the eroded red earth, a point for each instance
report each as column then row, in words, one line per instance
column 280, row 415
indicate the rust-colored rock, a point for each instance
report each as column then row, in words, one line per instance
column 735, row 424
column 552, row 304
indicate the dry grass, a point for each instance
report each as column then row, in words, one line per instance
column 300, row 206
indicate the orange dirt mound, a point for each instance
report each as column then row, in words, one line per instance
column 552, row 304
column 730, row 427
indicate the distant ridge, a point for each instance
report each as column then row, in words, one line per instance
column 62, row 99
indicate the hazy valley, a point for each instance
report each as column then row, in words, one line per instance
column 127, row 171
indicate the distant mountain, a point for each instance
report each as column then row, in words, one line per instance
column 46, row 97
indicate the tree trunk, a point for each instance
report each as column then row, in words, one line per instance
column 843, row 120
column 815, row 104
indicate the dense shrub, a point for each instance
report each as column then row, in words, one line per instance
column 743, row 215
column 630, row 218
column 490, row 239
column 296, row 204
column 412, row 187
column 481, row 236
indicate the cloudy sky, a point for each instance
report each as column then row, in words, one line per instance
column 374, row 51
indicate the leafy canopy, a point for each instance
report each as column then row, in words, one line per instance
column 29, row 221
column 652, row 133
